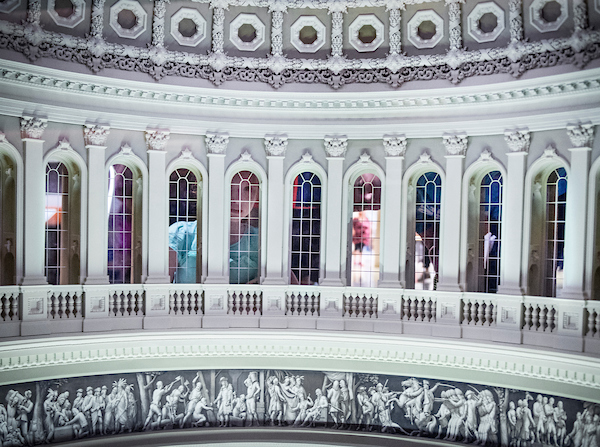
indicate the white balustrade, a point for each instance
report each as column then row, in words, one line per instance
column 536, row 321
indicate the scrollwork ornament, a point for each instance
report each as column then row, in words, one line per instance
column 275, row 146
column 277, row 33
column 581, row 135
column 515, row 17
column 156, row 140
column 336, row 146
column 97, row 18
column 337, row 27
column 394, row 145
column 216, row 143
column 218, row 27
column 454, row 13
column 95, row 134
column 395, row 19
column 158, row 23
column 456, row 144
column 33, row 127
column 517, row 140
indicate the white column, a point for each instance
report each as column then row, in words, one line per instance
column 512, row 213
column 32, row 129
column 395, row 147
column 218, row 228
column 335, row 147
column 275, row 146
column 456, row 146
column 576, row 214
column 156, row 142
column 95, row 137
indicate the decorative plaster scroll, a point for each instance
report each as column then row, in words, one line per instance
column 581, row 135
column 156, row 140
column 95, row 134
column 454, row 14
column 275, row 146
column 335, row 147
column 517, row 140
column 395, row 37
column 456, row 144
column 515, row 18
column 394, row 145
column 337, row 29
column 277, row 33
column 34, row 11
column 216, row 143
column 218, row 30
column 97, row 25
column 158, row 23
column 33, row 127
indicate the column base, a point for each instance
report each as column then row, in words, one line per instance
column 573, row 294
column 217, row 280
column 158, row 280
column 510, row 290
column 96, row 280
column 449, row 287
column 274, row 281
column 332, row 282
column 390, row 284
column 34, row 281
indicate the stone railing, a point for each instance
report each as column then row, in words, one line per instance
column 570, row 325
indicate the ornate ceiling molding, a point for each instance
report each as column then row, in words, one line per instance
column 581, row 135
column 216, row 143
column 517, row 140
column 276, row 145
column 33, row 127
column 95, row 134
column 156, row 140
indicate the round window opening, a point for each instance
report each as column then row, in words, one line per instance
column 64, row 8
column 187, row 28
column 488, row 22
column 551, row 11
column 307, row 35
column 127, row 19
column 247, row 33
column 367, row 34
column 426, row 30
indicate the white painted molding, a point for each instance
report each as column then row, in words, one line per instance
column 33, row 127
column 477, row 13
column 193, row 15
column 95, row 134
column 71, row 21
column 355, row 27
column 317, row 25
column 140, row 15
column 581, row 135
column 413, row 29
column 247, row 19
column 537, row 20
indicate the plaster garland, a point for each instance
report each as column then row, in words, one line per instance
column 517, row 140
column 581, row 135
column 95, row 134
column 156, row 140
column 33, row 127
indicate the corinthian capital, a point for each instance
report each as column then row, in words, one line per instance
column 517, row 140
column 156, row 140
column 336, row 146
column 216, row 143
column 95, row 134
column 394, row 145
column 33, row 127
column 275, row 146
column 581, row 135
column 456, row 144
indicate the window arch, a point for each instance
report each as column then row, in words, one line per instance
column 428, row 199
column 365, row 230
column 490, row 224
column 125, row 198
column 245, row 228
column 546, row 201
column 305, row 238
column 185, row 215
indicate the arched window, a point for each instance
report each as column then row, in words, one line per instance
column 57, row 223
column 427, row 230
column 244, row 229
column 490, row 218
column 185, row 213
column 366, row 225
column 556, row 205
column 124, row 225
column 306, row 229
column 8, row 221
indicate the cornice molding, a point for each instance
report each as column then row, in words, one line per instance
column 569, row 375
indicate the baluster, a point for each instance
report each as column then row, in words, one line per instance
column 544, row 318
column 467, row 312
column 50, row 306
column 354, row 309
column 4, row 304
column 315, row 304
column 433, row 310
column 231, row 303
column 597, row 326
column 480, row 312
column 528, row 317
column 77, row 305
column 404, row 308
column 472, row 312
column 420, row 304
column 179, row 303
column 427, row 315
column 535, row 318
column 488, row 313
column 552, row 319
column 373, row 305
column 60, row 305
column 139, row 303
column 304, row 304
column 246, row 303
column 297, row 302
column 413, row 309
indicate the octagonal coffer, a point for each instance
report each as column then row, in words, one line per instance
column 308, row 34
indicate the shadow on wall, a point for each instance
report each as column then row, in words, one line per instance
column 81, row 407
